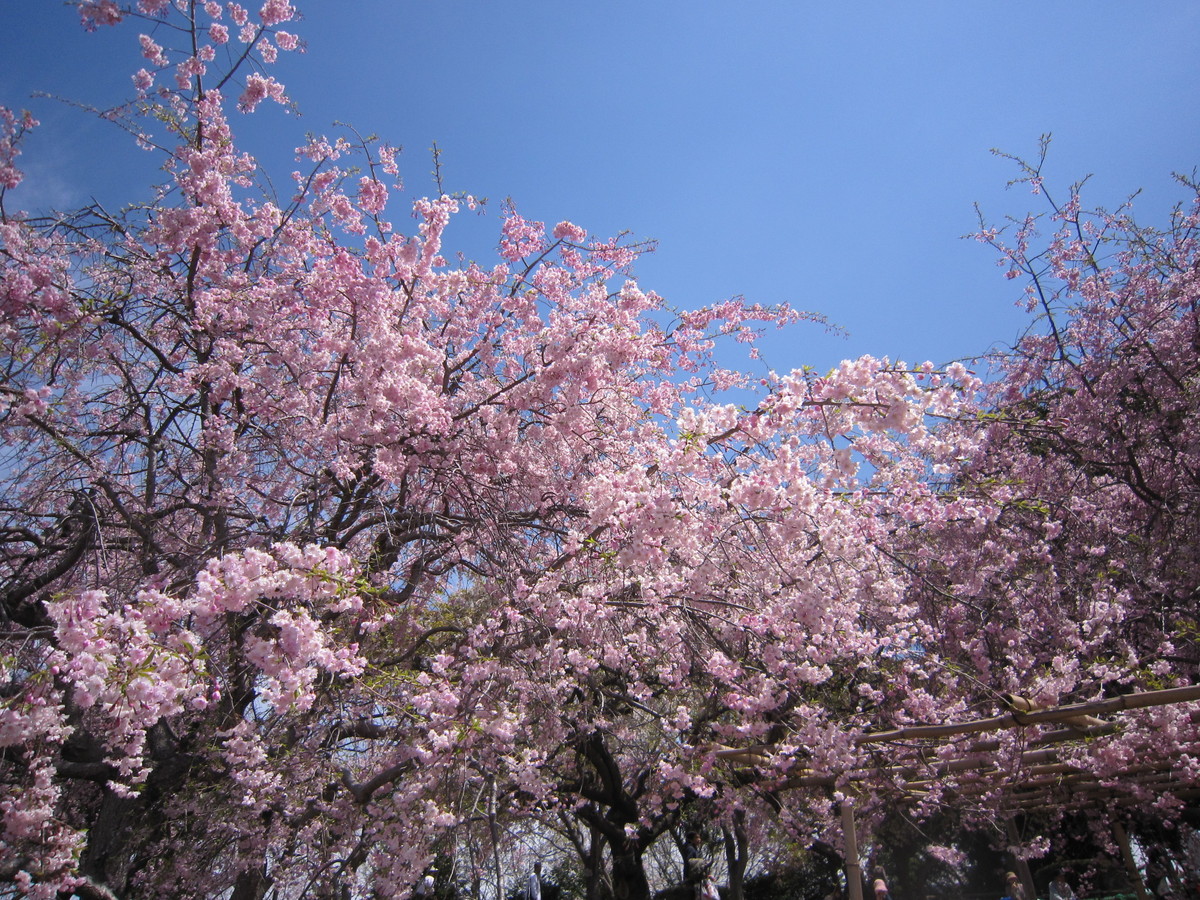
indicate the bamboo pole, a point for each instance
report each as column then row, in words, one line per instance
column 1036, row 767
column 759, row 753
column 1100, row 799
column 1135, row 876
column 1016, row 718
column 1014, row 838
column 854, row 880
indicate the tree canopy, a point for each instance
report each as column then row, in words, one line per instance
column 325, row 556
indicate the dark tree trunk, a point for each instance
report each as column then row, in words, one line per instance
column 618, row 823
column 251, row 884
column 595, row 866
column 628, row 873
column 107, row 858
column 736, row 855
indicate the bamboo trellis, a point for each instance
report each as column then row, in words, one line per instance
column 1043, row 772
column 1040, row 751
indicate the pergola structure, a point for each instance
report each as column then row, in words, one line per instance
column 1045, row 771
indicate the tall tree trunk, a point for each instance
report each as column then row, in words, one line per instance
column 595, row 865
column 736, row 853
column 626, row 839
column 588, row 842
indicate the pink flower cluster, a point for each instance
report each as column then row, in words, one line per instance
column 258, row 89
column 275, row 12
column 12, row 129
column 99, row 12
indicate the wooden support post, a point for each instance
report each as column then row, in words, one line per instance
column 1135, row 876
column 1022, row 864
column 854, row 880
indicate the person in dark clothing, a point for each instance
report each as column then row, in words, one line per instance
column 693, row 859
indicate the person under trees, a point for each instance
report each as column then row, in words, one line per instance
column 694, row 862
column 1060, row 887
column 879, row 886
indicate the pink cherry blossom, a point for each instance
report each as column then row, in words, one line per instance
column 325, row 553
column 258, row 89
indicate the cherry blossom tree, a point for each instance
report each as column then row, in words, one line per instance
column 1076, row 578
column 321, row 553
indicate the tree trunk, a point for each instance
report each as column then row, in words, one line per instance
column 736, row 853
column 107, row 857
column 251, row 884
column 595, row 865
column 628, row 873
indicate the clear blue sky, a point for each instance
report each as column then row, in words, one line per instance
column 824, row 154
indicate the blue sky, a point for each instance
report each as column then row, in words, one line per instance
column 823, row 154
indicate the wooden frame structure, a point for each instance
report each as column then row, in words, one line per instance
column 1045, row 771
